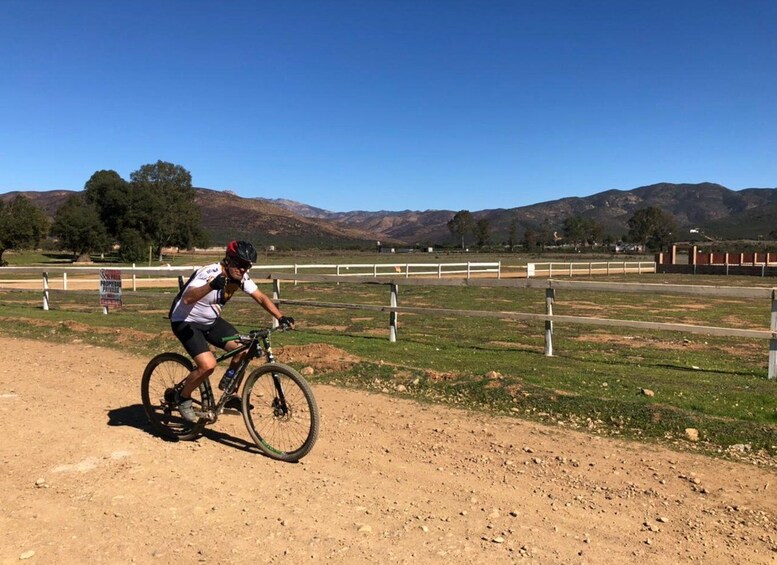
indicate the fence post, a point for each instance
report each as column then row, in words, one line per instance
column 393, row 314
column 64, row 281
column 550, row 296
column 45, row 291
column 773, row 341
column 135, row 279
column 276, row 297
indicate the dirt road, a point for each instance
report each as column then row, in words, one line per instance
column 390, row 481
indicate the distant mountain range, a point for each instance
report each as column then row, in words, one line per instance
column 716, row 210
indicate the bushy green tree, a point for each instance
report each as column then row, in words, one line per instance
column 582, row 231
column 461, row 225
column 22, row 225
column 111, row 196
column 79, row 228
column 512, row 238
column 483, row 232
column 169, row 213
column 546, row 234
column 134, row 246
column 156, row 208
column 652, row 227
column 530, row 240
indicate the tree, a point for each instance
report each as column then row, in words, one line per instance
column 164, row 196
column 530, row 240
column 582, row 231
column 512, row 239
column 79, row 228
column 546, row 234
column 652, row 227
column 134, row 246
column 461, row 225
column 483, row 232
column 110, row 195
column 22, row 225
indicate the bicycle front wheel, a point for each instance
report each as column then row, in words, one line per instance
column 157, row 389
column 280, row 412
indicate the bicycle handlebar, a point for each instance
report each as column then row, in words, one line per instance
column 253, row 334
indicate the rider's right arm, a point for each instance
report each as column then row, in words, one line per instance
column 194, row 294
column 199, row 287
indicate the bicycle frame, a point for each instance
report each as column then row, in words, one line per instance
column 212, row 409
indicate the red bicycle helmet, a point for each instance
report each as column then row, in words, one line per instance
column 241, row 252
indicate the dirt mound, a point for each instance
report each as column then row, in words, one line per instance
column 320, row 356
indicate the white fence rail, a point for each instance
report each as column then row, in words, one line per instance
column 496, row 269
column 549, row 270
column 550, row 286
column 407, row 270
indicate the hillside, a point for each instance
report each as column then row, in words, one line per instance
column 717, row 210
column 226, row 216
column 729, row 214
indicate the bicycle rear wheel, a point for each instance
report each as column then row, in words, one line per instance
column 280, row 412
column 157, row 389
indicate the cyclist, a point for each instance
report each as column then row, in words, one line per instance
column 195, row 317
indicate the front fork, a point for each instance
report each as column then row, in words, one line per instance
column 279, row 404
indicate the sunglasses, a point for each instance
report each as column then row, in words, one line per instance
column 239, row 264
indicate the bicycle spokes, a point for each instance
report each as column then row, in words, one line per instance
column 283, row 416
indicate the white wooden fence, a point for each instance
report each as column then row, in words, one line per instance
column 590, row 268
column 550, row 286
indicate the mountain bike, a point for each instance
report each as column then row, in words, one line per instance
column 278, row 405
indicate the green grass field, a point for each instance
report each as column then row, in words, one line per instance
column 595, row 380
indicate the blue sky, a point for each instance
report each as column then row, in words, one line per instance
column 391, row 105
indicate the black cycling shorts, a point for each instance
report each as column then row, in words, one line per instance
column 196, row 337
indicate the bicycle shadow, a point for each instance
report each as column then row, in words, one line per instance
column 134, row 416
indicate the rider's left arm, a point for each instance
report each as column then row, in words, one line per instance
column 265, row 302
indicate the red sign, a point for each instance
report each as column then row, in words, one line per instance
column 110, row 287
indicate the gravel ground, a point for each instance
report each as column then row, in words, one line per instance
column 389, row 481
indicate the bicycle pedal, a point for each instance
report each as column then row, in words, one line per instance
column 169, row 396
column 210, row 416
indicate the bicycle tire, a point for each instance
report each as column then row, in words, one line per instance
column 288, row 432
column 161, row 375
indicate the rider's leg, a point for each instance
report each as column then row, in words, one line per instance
column 206, row 363
column 235, row 361
column 234, row 402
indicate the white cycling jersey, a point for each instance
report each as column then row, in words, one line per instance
column 208, row 308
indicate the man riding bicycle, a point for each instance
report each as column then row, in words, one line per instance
column 195, row 317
